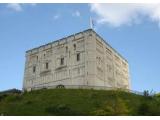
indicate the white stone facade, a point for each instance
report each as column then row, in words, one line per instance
column 82, row 59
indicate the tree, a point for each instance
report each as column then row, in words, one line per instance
column 146, row 93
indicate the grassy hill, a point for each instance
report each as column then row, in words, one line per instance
column 78, row 102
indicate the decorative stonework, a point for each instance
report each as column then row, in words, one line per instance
column 82, row 59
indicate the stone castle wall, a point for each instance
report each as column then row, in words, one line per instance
column 80, row 59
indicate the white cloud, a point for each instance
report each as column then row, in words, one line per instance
column 57, row 16
column 33, row 4
column 18, row 7
column 76, row 13
column 15, row 6
column 125, row 14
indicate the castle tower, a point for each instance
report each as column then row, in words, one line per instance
column 81, row 60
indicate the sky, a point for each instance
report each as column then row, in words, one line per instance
column 132, row 29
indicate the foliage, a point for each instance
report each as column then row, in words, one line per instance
column 2, row 96
column 78, row 102
column 115, row 107
column 146, row 93
column 10, row 91
column 144, row 109
column 61, row 109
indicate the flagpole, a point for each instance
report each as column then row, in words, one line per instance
column 91, row 23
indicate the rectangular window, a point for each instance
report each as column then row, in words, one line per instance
column 78, row 56
column 47, row 65
column 62, row 61
column 66, row 49
column 74, row 46
column 34, row 69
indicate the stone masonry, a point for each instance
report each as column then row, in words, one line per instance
column 81, row 60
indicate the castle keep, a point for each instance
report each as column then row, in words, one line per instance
column 82, row 60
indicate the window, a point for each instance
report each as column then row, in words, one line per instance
column 47, row 65
column 74, row 46
column 66, row 49
column 34, row 69
column 62, row 61
column 78, row 56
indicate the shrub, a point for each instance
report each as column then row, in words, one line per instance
column 61, row 109
column 153, row 107
column 120, row 107
column 2, row 96
column 28, row 102
column 146, row 93
column 93, row 95
column 144, row 109
column 51, row 109
column 14, row 97
column 116, row 107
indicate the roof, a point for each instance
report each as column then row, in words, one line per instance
column 76, row 34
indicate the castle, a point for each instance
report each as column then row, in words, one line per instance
column 82, row 60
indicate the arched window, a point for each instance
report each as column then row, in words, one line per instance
column 62, row 61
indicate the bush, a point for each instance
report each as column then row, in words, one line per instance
column 120, row 107
column 51, row 109
column 154, row 108
column 93, row 95
column 2, row 96
column 14, row 97
column 146, row 93
column 108, row 110
column 28, row 102
column 116, row 107
column 61, row 109
column 144, row 109
column 11, row 91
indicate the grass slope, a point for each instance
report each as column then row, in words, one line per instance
column 78, row 102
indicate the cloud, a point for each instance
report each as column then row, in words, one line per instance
column 33, row 4
column 120, row 14
column 18, row 7
column 15, row 6
column 57, row 16
column 76, row 13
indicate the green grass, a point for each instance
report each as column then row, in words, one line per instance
column 78, row 102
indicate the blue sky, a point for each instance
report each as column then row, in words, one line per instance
column 133, row 30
